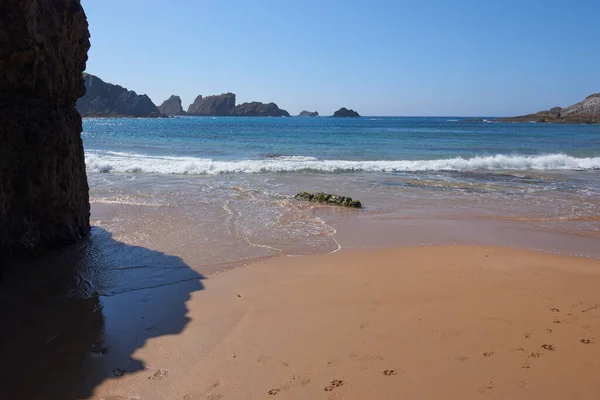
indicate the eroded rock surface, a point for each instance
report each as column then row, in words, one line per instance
column 171, row 106
column 43, row 186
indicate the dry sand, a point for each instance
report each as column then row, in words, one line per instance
column 408, row 323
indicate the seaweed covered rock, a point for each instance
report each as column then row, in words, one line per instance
column 327, row 198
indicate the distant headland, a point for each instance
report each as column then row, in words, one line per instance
column 103, row 99
column 584, row 112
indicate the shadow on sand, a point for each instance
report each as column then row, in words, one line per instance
column 74, row 318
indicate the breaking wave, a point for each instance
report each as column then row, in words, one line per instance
column 107, row 161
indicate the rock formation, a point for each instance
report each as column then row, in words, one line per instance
column 345, row 113
column 219, row 105
column 308, row 114
column 258, row 109
column 331, row 199
column 223, row 105
column 171, row 106
column 43, row 186
column 104, row 99
column 584, row 112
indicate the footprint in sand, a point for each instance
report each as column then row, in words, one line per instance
column 483, row 389
column 488, row 353
column 334, row 384
column 158, row 375
column 586, row 341
column 296, row 381
column 534, row 355
column 526, row 366
column 548, row 347
column 389, row 372
column 521, row 384
column 527, row 335
column 556, row 321
column 554, row 310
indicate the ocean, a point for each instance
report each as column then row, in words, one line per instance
column 217, row 191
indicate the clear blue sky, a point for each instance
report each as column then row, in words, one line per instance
column 380, row 57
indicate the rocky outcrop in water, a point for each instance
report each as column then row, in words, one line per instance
column 345, row 113
column 308, row 114
column 43, row 186
column 258, row 109
column 217, row 106
column 331, row 199
column 584, row 112
column 171, row 106
column 104, row 99
column 223, row 105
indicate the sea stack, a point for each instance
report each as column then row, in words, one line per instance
column 219, row 105
column 346, row 113
column 223, row 105
column 308, row 114
column 171, row 106
column 258, row 109
column 44, row 199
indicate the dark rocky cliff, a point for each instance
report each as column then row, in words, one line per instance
column 258, row 109
column 345, row 113
column 219, row 105
column 104, row 99
column 584, row 112
column 43, row 186
column 171, row 106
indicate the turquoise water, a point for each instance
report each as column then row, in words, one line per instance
column 220, row 190
column 203, row 145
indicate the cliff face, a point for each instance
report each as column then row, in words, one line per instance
column 257, row 109
column 219, row 105
column 584, row 112
column 43, row 186
column 345, row 113
column 171, row 106
column 103, row 99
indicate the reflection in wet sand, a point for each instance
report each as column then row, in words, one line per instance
column 75, row 317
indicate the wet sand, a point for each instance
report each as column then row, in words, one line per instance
column 452, row 322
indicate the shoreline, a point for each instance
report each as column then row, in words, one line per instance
column 128, row 314
column 359, row 323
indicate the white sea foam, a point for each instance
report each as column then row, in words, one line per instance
column 103, row 161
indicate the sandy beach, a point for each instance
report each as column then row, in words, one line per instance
column 420, row 323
